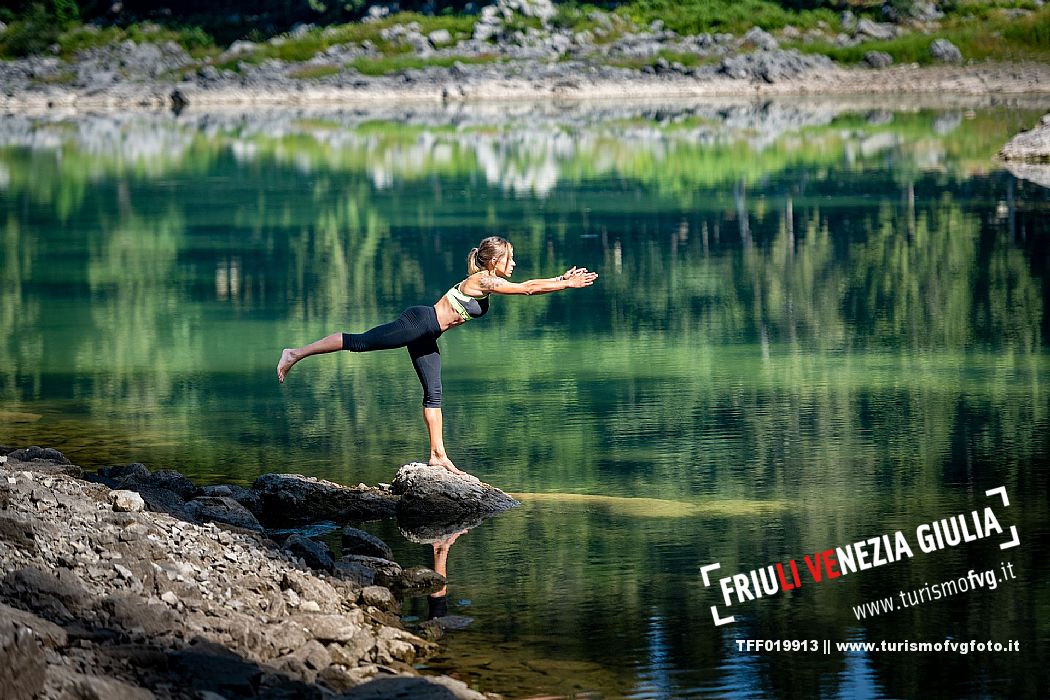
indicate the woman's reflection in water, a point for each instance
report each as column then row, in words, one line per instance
column 437, row 601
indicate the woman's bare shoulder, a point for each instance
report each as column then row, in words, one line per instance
column 478, row 284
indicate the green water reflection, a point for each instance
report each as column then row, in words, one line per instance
column 814, row 323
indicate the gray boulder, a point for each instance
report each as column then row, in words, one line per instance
column 435, row 495
column 439, row 37
column 918, row 10
column 31, row 460
column 760, row 38
column 126, row 501
column 878, row 59
column 161, row 500
column 315, row 554
column 875, row 30
column 383, row 569
column 772, row 66
column 355, row 573
column 418, row 579
column 404, row 686
column 944, row 51
column 294, row 498
column 136, row 471
column 246, row 497
column 172, row 481
column 222, row 509
column 49, row 454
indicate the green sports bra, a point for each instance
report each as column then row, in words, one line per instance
column 466, row 306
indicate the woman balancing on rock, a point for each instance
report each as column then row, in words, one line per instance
column 490, row 266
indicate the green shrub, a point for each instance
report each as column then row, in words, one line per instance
column 32, row 34
column 314, row 72
column 999, row 39
column 388, row 65
column 736, row 16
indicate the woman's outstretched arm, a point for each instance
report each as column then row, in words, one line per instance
column 573, row 278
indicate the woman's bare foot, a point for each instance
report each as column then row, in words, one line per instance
column 288, row 359
column 445, row 462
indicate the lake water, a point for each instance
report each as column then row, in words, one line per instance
column 816, row 323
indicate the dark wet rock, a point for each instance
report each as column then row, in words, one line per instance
column 435, row 628
column 413, row 687
column 136, row 471
column 246, row 497
column 179, row 101
column 417, row 580
column 944, row 51
column 878, row 59
column 356, row 541
column 160, row 500
column 210, row 667
column 44, row 461
column 315, row 554
column 355, row 572
column 222, row 509
column 292, row 498
column 28, row 454
column 435, row 495
column 1032, row 145
column 172, row 480
column 383, row 569
column 772, row 66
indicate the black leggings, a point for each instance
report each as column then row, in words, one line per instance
column 417, row 328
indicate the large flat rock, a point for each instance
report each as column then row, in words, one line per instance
column 434, row 495
column 294, row 498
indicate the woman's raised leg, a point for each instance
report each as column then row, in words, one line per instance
column 289, row 356
column 411, row 325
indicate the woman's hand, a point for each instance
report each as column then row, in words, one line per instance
column 579, row 277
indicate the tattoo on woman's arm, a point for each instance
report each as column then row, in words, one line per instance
column 489, row 283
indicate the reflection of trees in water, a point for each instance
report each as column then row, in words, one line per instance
column 672, row 150
column 20, row 313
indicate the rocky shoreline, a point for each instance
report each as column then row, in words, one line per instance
column 531, row 81
column 128, row 583
column 515, row 53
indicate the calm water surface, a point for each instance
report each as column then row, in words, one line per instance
column 815, row 323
